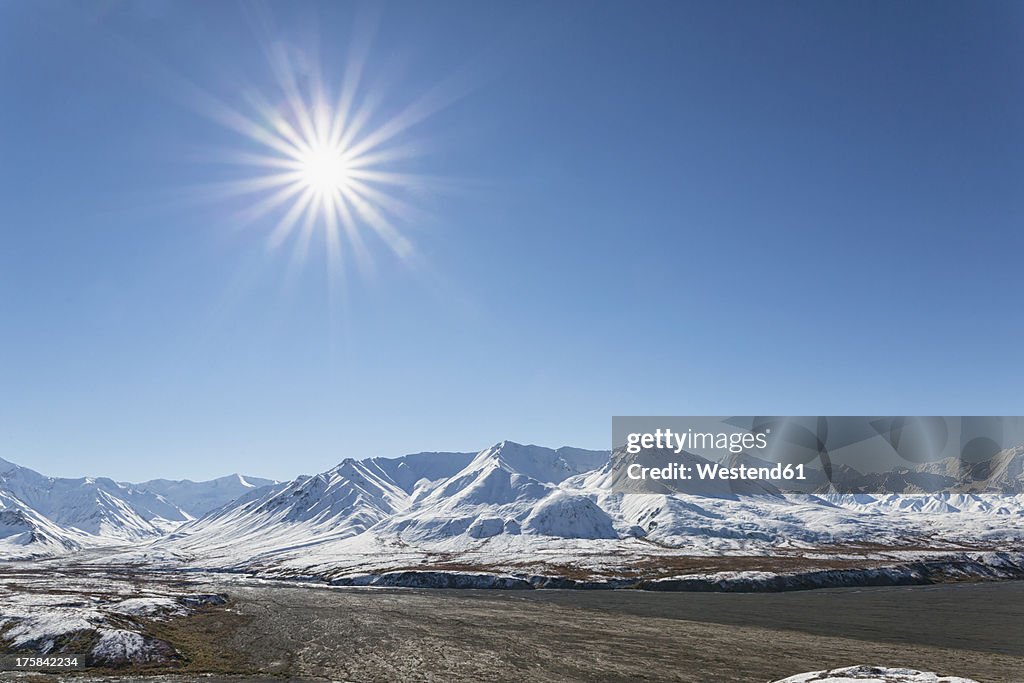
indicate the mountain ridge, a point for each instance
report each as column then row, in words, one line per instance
column 510, row 501
column 71, row 512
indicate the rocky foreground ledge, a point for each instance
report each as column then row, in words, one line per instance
column 873, row 674
column 987, row 566
column 106, row 622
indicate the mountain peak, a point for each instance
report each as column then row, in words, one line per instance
column 8, row 466
column 537, row 462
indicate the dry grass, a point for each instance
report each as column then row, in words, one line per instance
column 855, row 556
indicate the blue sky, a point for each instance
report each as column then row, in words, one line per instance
column 656, row 208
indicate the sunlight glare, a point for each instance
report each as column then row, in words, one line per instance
column 323, row 164
column 324, row 169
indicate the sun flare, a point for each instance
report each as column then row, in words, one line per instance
column 324, row 169
column 323, row 163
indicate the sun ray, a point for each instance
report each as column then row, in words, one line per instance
column 256, row 159
column 325, row 167
column 287, row 224
column 251, row 185
column 363, row 256
column 379, row 157
column 381, row 225
column 399, row 208
column 271, row 202
column 300, row 252
column 358, row 52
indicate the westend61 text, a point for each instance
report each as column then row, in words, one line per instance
column 714, row 471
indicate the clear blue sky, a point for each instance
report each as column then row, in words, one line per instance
column 659, row 208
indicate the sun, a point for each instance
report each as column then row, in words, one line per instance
column 322, row 165
column 325, row 169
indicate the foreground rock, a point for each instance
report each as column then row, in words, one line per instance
column 104, row 619
column 956, row 567
column 952, row 567
column 873, row 674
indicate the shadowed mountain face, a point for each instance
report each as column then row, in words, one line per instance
column 1002, row 474
column 25, row 533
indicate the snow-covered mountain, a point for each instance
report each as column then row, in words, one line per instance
column 24, row 533
column 422, row 495
column 341, row 502
column 444, row 499
column 49, row 515
column 512, row 504
column 507, row 505
column 508, row 488
column 95, row 506
column 200, row 497
column 1002, row 474
column 418, row 469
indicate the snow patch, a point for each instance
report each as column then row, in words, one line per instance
column 569, row 516
column 872, row 674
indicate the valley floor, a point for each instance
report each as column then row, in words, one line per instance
column 277, row 630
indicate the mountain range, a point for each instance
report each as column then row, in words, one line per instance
column 41, row 515
column 507, row 505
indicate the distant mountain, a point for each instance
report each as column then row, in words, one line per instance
column 46, row 515
column 96, row 506
column 409, row 471
column 506, row 489
column 199, row 498
column 442, row 497
column 510, row 502
column 1002, row 474
column 516, row 505
column 24, row 533
column 341, row 502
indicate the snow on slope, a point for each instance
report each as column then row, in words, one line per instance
column 25, row 534
column 42, row 515
column 336, row 504
column 717, row 515
column 374, row 505
column 566, row 515
column 506, row 489
column 97, row 506
column 108, row 619
column 419, row 469
column 1003, row 473
column 873, row 674
column 200, row 497
column 512, row 503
